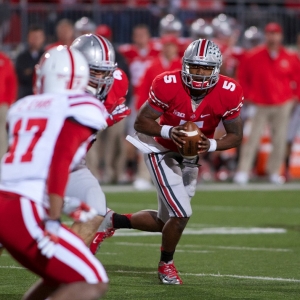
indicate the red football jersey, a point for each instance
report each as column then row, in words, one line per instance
column 118, row 90
column 138, row 60
column 8, row 80
column 169, row 96
column 158, row 66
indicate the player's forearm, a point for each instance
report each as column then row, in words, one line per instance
column 228, row 141
column 234, row 134
column 56, row 203
column 146, row 121
column 148, row 127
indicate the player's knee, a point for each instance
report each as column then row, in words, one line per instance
column 191, row 188
column 180, row 223
column 187, row 211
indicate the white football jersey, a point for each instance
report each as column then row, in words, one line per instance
column 34, row 124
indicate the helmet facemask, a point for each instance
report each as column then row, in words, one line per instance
column 197, row 81
column 100, row 81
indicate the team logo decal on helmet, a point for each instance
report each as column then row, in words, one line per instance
column 205, row 53
column 100, row 56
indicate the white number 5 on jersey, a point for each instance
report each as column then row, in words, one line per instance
column 170, row 78
column 228, row 86
column 117, row 74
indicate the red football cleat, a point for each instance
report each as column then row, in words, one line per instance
column 168, row 274
column 106, row 231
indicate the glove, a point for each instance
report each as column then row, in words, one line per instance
column 48, row 242
column 78, row 210
column 119, row 113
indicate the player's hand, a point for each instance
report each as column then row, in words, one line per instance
column 119, row 113
column 203, row 144
column 176, row 135
column 48, row 242
column 78, row 210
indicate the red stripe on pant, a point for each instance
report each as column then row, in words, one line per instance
column 162, row 184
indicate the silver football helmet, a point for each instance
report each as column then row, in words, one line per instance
column 84, row 25
column 253, row 36
column 201, row 29
column 100, row 56
column 224, row 25
column 201, row 52
column 170, row 25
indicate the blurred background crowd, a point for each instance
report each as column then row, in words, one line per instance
column 260, row 43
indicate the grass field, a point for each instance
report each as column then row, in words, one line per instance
column 237, row 245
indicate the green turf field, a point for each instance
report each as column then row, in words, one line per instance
column 237, row 245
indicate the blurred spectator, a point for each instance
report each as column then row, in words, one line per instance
column 202, row 29
column 171, row 25
column 268, row 72
column 64, row 34
column 26, row 60
column 83, row 26
column 168, row 60
column 139, row 56
column 8, row 94
column 227, row 35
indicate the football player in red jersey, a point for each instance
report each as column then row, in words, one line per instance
column 197, row 93
column 109, row 84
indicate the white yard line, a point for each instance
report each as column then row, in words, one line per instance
column 208, row 231
column 215, row 187
column 196, row 275
column 220, row 275
column 237, row 248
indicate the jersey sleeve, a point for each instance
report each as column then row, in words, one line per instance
column 162, row 91
column 119, row 90
column 69, row 140
column 87, row 111
column 234, row 100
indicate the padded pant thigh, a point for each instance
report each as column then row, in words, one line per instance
column 83, row 185
column 167, row 176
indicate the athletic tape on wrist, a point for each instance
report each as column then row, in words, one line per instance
column 165, row 131
column 213, row 145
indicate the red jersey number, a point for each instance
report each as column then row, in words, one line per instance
column 36, row 127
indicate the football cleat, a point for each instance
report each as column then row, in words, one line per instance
column 168, row 274
column 106, row 230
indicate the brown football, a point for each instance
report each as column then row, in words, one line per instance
column 190, row 149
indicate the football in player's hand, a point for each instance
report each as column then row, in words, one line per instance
column 190, row 150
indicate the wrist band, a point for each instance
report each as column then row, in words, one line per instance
column 165, row 131
column 213, row 145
